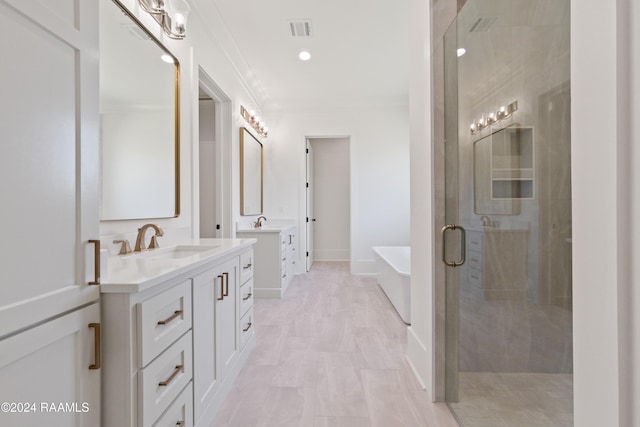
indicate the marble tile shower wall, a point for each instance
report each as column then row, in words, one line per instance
column 523, row 336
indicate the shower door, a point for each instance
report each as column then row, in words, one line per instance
column 506, row 231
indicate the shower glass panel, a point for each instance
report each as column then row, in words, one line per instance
column 507, row 163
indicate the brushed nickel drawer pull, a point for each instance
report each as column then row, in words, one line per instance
column 247, row 328
column 179, row 369
column 226, row 291
column 174, row 316
column 247, row 297
column 246, row 267
column 96, row 346
column 221, row 277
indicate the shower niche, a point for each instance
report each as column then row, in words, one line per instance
column 503, row 170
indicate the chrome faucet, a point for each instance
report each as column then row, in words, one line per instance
column 258, row 223
column 486, row 221
column 140, row 245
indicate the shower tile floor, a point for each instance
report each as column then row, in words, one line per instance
column 330, row 353
column 514, row 400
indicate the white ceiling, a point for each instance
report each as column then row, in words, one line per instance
column 359, row 51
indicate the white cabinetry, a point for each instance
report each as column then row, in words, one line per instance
column 51, row 365
column 49, row 176
column 275, row 259
column 173, row 347
column 497, row 262
column 215, row 334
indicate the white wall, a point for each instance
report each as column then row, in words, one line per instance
column 605, row 233
column 331, row 199
column 420, row 334
column 379, row 152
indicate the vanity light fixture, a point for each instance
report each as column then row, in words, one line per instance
column 492, row 118
column 170, row 14
column 254, row 121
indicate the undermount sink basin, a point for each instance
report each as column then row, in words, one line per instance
column 175, row 252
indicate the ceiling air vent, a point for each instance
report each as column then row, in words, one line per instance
column 135, row 31
column 483, row 24
column 300, row 28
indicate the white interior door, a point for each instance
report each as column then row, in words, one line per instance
column 310, row 218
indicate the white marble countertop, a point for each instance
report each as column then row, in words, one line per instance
column 265, row 229
column 141, row 271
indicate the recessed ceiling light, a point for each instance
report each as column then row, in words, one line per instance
column 304, row 55
column 461, row 51
column 167, row 58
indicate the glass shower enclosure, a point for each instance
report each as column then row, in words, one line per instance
column 506, row 234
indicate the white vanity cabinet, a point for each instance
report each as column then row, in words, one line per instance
column 215, row 314
column 172, row 338
column 56, row 363
column 497, row 263
column 275, row 259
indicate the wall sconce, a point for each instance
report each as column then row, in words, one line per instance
column 254, row 121
column 170, row 14
column 493, row 117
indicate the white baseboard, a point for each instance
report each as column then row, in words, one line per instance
column 418, row 359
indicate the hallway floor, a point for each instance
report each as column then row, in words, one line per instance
column 329, row 354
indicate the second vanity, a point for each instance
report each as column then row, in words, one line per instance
column 276, row 257
column 177, row 329
column 497, row 262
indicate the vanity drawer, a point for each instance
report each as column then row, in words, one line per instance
column 164, row 379
column 246, row 296
column 475, row 277
column 246, row 327
column 162, row 319
column 475, row 260
column 180, row 413
column 475, row 241
column 246, row 266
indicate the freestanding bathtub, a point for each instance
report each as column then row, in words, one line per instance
column 393, row 265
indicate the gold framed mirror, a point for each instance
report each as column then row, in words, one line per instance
column 139, row 120
column 250, row 174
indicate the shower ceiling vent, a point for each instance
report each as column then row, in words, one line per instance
column 300, row 28
column 483, row 24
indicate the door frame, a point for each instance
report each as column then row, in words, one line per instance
column 223, row 161
column 309, row 193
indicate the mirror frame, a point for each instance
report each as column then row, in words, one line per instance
column 243, row 181
column 176, row 138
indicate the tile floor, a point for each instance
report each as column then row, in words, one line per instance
column 329, row 354
column 515, row 400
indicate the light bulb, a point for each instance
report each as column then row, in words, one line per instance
column 304, row 55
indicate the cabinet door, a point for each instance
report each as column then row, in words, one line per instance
column 45, row 371
column 227, row 316
column 206, row 288
column 215, row 331
column 49, row 158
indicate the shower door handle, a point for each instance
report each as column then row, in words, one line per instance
column 463, row 239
